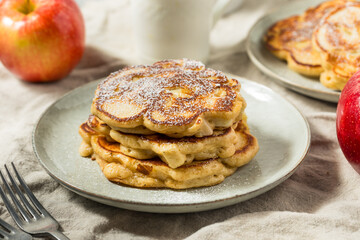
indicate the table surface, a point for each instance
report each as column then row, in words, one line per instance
column 321, row 200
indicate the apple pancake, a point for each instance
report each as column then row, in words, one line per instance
column 173, row 97
column 337, row 38
column 291, row 39
column 173, row 151
column 178, row 151
column 120, row 168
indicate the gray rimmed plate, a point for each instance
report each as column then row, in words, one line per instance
column 283, row 135
column 278, row 69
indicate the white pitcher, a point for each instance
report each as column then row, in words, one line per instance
column 171, row 29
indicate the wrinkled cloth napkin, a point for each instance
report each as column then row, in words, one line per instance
column 321, row 200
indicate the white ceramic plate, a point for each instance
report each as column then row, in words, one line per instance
column 277, row 69
column 282, row 132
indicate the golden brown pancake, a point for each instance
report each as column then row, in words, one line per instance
column 173, row 151
column 291, row 39
column 173, row 124
column 173, row 97
column 337, row 38
column 178, row 151
column 120, row 168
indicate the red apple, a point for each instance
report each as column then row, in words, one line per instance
column 41, row 40
column 348, row 121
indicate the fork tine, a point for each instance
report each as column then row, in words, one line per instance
column 9, row 206
column 33, row 199
column 7, row 227
column 45, row 224
column 21, row 195
column 11, row 233
column 21, row 209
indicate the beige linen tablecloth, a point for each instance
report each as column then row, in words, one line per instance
column 321, row 200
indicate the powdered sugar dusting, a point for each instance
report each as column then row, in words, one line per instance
column 171, row 90
column 300, row 28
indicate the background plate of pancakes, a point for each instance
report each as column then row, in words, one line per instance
column 277, row 69
column 282, row 131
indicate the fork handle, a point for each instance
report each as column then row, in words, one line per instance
column 58, row 235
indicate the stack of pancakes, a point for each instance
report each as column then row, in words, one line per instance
column 324, row 41
column 173, row 124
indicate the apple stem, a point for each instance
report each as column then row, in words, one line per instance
column 27, row 7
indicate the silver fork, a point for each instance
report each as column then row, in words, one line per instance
column 34, row 220
column 8, row 232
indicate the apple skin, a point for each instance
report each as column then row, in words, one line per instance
column 43, row 44
column 348, row 121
